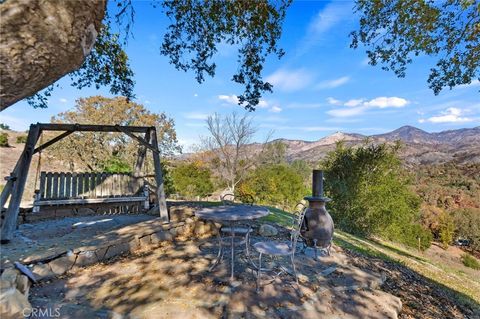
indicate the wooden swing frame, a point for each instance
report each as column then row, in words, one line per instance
column 15, row 185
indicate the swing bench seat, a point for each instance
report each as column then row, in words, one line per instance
column 59, row 189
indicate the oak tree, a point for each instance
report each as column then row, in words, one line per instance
column 42, row 41
column 97, row 151
column 394, row 32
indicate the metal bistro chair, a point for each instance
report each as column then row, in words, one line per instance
column 242, row 230
column 280, row 249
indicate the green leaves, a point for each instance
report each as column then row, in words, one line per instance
column 198, row 28
column 395, row 31
column 276, row 185
column 370, row 192
column 192, row 180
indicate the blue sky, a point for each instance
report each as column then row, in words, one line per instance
column 321, row 85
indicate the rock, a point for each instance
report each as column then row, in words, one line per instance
column 85, row 258
column 117, row 249
column 268, row 230
column 180, row 213
column 10, row 275
column 42, row 271
column 160, row 236
column 5, row 284
column 23, row 284
column 61, row 265
column 13, row 304
column 145, row 241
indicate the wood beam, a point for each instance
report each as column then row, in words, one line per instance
column 90, row 127
column 52, row 141
column 162, row 202
column 142, row 151
column 138, row 139
column 11, row 215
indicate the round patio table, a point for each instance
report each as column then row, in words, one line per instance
column 231, row 214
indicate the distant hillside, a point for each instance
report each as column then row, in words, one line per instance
column 461, row 146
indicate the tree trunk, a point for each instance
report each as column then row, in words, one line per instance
column 42, row 40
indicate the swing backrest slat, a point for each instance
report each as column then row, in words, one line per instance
column 60, row 185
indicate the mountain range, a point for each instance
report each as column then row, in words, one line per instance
column 461, row 146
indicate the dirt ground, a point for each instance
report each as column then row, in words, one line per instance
column 173, row 281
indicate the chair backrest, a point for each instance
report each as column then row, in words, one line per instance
column 298, row 221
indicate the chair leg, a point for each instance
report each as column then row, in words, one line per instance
column 292, row 258
column 220, row 252
column 259, row 271
column 315, row 248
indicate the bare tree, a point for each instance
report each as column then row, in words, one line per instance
column 230, row 148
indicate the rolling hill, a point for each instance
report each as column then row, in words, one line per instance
column 461, row 146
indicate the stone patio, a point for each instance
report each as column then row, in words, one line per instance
column 134, row 266
column 173, row 281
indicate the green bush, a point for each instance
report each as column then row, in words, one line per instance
column 22, row 139
column 190, row 180
column 470, row 261
column 371, row 194
column 447, row 229
column 467, row 222
column 116, row 165
column 412, row 235
column 276, row 185
column 4, row 127
column 4, row 140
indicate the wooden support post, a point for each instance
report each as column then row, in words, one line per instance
column 10, row 222
column 142, row 151
column 162, row 203
column 7, row 190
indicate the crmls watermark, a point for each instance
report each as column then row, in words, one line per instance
column 41, row 312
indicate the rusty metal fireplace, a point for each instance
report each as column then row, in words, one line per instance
column 317, row 228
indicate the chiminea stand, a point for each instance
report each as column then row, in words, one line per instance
column 317, row 229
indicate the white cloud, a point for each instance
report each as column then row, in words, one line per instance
column 353, row 102
column 195, row 94
column 275, row 109
column 473, row 83
column 384, row 102
column 195, row 116
column 333, row 101
column 347, row 112
column 333, row 83
column 450, row 115
column 359, row 106
column 230, row 99
column 63, row 100
column 290, row 80
column 262, row 104
column 147, row 102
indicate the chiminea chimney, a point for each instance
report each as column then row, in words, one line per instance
column 318, row 225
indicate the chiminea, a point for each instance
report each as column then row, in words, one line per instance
column 317, row 228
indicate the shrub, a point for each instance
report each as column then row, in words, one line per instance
column 446, row 229
column 276, row 185
column 190, row 179
column 470, row 261
column 4, row 140
column 4, row 127
column 371, row 193
column 467, row 221
column 22, row 139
